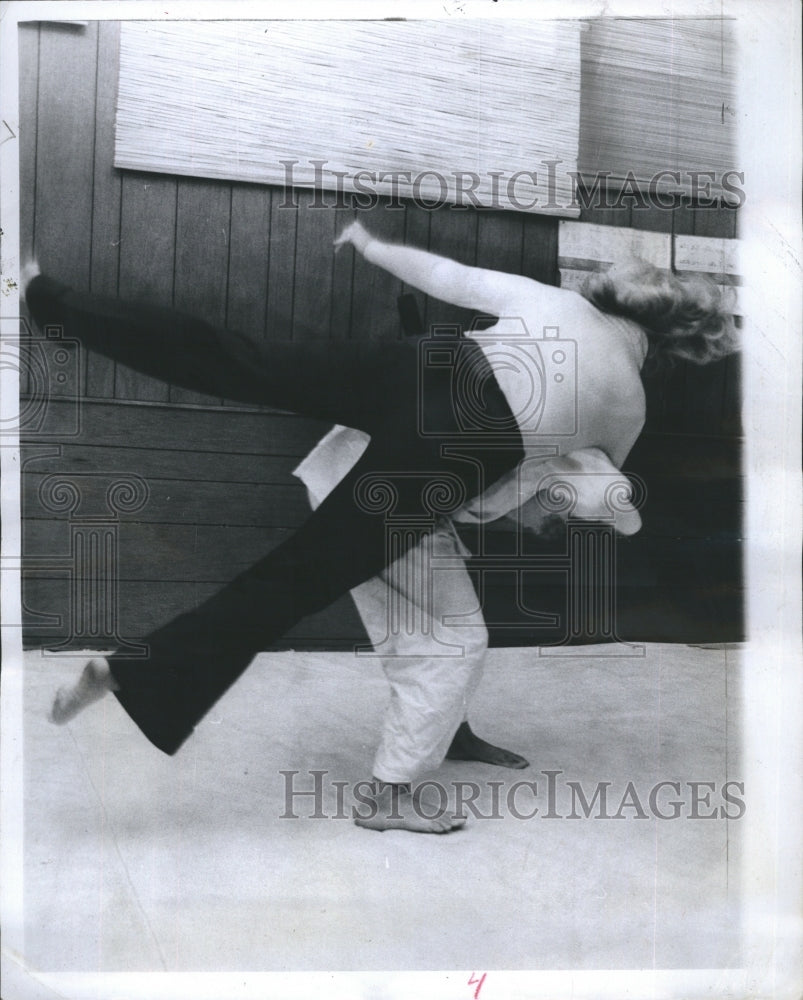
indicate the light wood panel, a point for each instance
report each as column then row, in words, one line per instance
column 408, row 106
column 658, row 95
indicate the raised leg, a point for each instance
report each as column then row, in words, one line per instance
column 342, row 382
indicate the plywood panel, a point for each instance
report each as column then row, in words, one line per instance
column 593, row 246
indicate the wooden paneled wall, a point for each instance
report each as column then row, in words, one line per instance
column 218, row 477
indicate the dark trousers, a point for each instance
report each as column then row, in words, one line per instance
column 375, row 387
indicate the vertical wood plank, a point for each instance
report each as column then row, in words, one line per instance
column 281, row 264
column 540, row 249
column 105, row 267
column 312, row 288
column 374, row 311
column 732, row 397
column 705, row 386
column 453, row 234
column 722, row 390
column 500, row 241
column 147, row 249
column 733, row 215
column 203, row 223
column 672, row 387
column 28, row 92
column 607, row 209
column 683, row 218
column 342, row 278
column 717, row 221
column 652, row 218
column 64, row 159
column 705, row 389
column 65, row 151
column 417, row 234
column 249, row 255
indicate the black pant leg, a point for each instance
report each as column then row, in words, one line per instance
column 338, row 381
column 195, row 658
column 376, row 387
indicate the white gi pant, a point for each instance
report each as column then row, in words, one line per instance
column 422, row 613
column 423, row 619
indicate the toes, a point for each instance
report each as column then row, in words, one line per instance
column 63, row 707
column 56, row 710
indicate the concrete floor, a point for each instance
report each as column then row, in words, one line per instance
column 136, row 861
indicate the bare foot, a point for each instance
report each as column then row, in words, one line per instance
column 396, row 807
column 466, row 745
column 95, row 680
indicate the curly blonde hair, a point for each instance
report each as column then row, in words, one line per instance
column 684, row 316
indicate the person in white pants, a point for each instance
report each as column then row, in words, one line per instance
column 565, row 365
column 423, row 618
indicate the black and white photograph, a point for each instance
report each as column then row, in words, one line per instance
column 401, row 500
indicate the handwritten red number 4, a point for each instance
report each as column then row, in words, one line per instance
column 479, row 983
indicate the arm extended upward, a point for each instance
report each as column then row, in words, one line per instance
column 493, row 292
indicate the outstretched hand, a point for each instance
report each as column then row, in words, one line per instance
column 356, row 234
